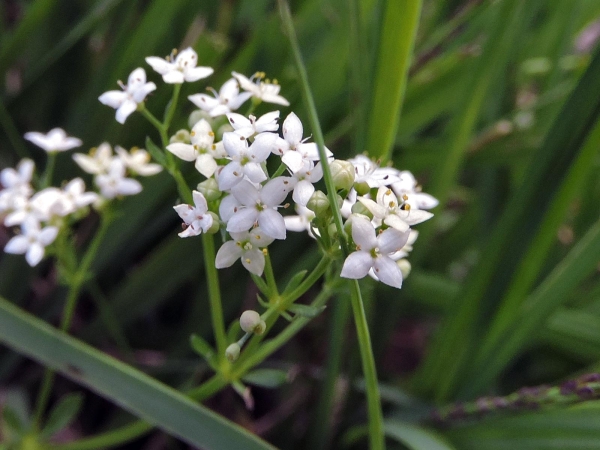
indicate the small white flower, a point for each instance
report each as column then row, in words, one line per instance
column 183, row 68
column 18, row 181
column 393, row 213
column 133, row 93
column 259, row 205
column 32, row 242
column 408, row 186
column 245, row 245
column 40, row 208
column 138, row 161
column 196, row 218
column 245, row 161
column 97, row 162
column 292, row 140
column 262, row 90
column 202, row 149
column 303, row 182
column 370, row 173
column 114, row 183
column 302, row 221
column 55, row 141
column 372, row 252
column 251, row 126
column 75, row 197
column 228, row 99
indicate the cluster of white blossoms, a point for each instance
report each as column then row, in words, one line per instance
column 241, row 196
column 41, row 214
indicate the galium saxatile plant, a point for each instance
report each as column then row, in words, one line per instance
column 257, row 178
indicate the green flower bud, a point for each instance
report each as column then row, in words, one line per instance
column 319, row 204
column 359, row 208
column 251, row 322
column 362, row 188
column 232, row 353
column 405, row 267
column 214, row 228
column 342, row 173
column 210, row 189
column 182, row 136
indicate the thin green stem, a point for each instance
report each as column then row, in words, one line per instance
column 77, row 281
column 171, row 108
column 270, row 276
column 49, row 170
column 157, row 124
column 308, row 282
column 214, row 294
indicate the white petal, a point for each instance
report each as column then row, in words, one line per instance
column 238, row 100
column 183, row 151
column 234, row 144
column 392, row 240
column 34, row 254
column 125, row 110
column 114, row 99
column 200, row 202
column 228, row 207
column 414, row 216
column 388, row 271
column 238, row 121
column 292, row 129
column 272, row 223
column 140, row 94
column 129, row 186
column 396, row 222
column 136, row 78
column 230, row 176
column 17, row 245
column 246, row 193
column 277, row 99
column 204, row 102
column 206, row 165
column 262, row 146
column 47, row 235
column 376, row 209
column 197, row 73
column 293, row 160
column 259, row 239
column 267, row 122
column 357, row 265
column 160, row 65
column 363, row 233
column 276, row 190
column 254, row 172
column 254, row 261
column 229, row 253
column 173, row 77
column 242, row 220
column 302, row 192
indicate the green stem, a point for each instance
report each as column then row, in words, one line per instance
column 271, row 283
column 308, row 282
column 214, row 295
column 77, row 281
column 172, row 106
column 49, row 170
column 157, row 124
column 376, row 437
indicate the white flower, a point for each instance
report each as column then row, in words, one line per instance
column 370, row 173
column 39, row 208
column 372, row 252
column 303, row 182
column 197, row 217
column 115, row 183
column 262, row 90
column 127, row 100
column 391, row 212
column 97, row 162
column 32, row 241
column 259, row 205
column 302, row 221
column 17, row 182
column 245, row 245
column 138, row 161
column 75, row 197
column 245, row 161
column 251, row 126
column 226, row 100
column 408, row 186
column 55, row 141
column 202, row 149
column 292, row 140
column 183, row 68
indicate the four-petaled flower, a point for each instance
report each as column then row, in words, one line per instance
column 226, row 100
column 372, row 251
column 183, row 68
column 196, row 218
column 395, row 214
column 55, row 141
column 114, row 183
column 245, row 245
column 262, row 90
column 133, row 93
column 251, row 126
column 32, row 242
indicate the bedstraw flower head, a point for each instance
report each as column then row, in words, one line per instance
column 56, row 140
column 180, row 68
column 133, row 93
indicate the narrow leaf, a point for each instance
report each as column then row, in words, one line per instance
column 62, row 414
column 267, row 378
column 414, row 437
column 306, row 310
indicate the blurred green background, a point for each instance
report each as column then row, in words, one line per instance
column 499, row 121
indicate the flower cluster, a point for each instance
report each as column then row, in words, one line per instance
column 41, row 214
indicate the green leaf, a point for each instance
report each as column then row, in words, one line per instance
column 204, row 349
column 12, row 419
column 306, row 310
column 133, row 390
column 295, row 281
column 156, row 152
column 62, row 414
column 267, row 378
column 414, row 437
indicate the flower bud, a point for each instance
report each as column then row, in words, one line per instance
column 182, row 136
column 214, row 228
column 342, row 173
column 197, row 115
column 251, row 322
column 404, row 266
column 210, row 189
column 232, row 352
column 362, row 188
column 359, row 208
column 319, row 204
